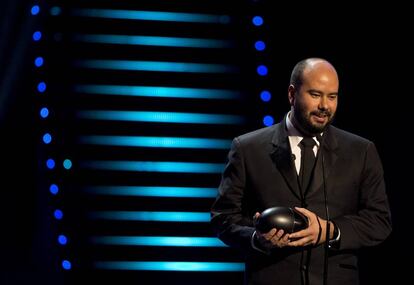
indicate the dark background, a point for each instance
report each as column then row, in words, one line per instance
column 368, row 45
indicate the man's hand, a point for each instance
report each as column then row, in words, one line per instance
column 273, row 238
column 314, row 234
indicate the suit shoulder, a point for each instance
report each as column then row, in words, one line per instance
column 258, row 135
column 348, row 137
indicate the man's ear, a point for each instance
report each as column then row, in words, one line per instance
column 291, row 94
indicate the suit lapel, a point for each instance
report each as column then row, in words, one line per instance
column 327, row 153
column 281, row 155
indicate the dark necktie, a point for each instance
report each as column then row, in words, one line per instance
column 307, row 161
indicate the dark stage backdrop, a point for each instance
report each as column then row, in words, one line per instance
column 116, row 118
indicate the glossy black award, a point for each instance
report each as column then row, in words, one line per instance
column 285, row 218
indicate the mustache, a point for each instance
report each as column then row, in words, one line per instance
column 322, row 113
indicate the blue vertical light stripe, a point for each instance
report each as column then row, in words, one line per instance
column 156, row 66
column 158, row 91
column 158, row 241
column 154, row 166
column 153, row 191
column 152, row 16
column 169, row 266
column 160, row 117
column 193, row 217
column 160, row 142
column 153, row 41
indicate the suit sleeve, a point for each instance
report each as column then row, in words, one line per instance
column 372, row 223
column 230, row 224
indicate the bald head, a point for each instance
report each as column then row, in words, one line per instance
column 307, row 67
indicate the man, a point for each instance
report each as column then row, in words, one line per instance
column 266, row 168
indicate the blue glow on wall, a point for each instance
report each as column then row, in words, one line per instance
column 55, row 11
column 41, row 87
column 66, row 264
column 159, row 91
column 154, row 191
column 54, row 189
column 169, row 266
column 37, row 36
column 44, row 112
column 260, row 45
column 58, row 214
column 50, row 163
column 67, row 164
column 152, row 16
column 194, row 217
column 164, row 142
column 262, row 70
column 35, row 10
column 158, row 66
column 154, row 166
column 47, row 138
column 153, row 41
column 62, row 239
column 268, row 120
column 257, row 21
column 38, row 61
column 158, row 241
column 265, row 96
column 161, row 117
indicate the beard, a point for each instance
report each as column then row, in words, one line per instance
column 304, row 119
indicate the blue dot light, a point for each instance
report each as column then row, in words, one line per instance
column 262, row 70
column 268, row 120
column 265, row 96
column 47, row 138
column 54, row 189
column 62, row 239
column 260, row 45
column 67, row 164
column 257, row 21
column 35, row 10
column 38, row 61
column 44, row 112
column 50, row 163
column 66, row 265
column 41, row 87
column 37, row 36
column 58, row 214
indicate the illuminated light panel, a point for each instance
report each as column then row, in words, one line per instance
column 158, row 66
column 37, row 36
column 153, row 191
column 44, row 112
column 265, row 96
column 153, row 41
column 260, row 45
column 152, row 16
column 67, row 164
column 54, row 189
column 194, row 217
column 268, row 120
column 257, row 21
column 262, row 70
column 154, row 166
column 158, row 241
column 158, row 91
column 160, row 117
column 66, row 264
column 169, row 265
column 165, row 142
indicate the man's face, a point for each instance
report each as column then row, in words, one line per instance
column 315, row 103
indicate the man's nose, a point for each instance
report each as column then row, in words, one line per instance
column 323, row 103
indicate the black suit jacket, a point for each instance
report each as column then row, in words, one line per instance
column 260, row 174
